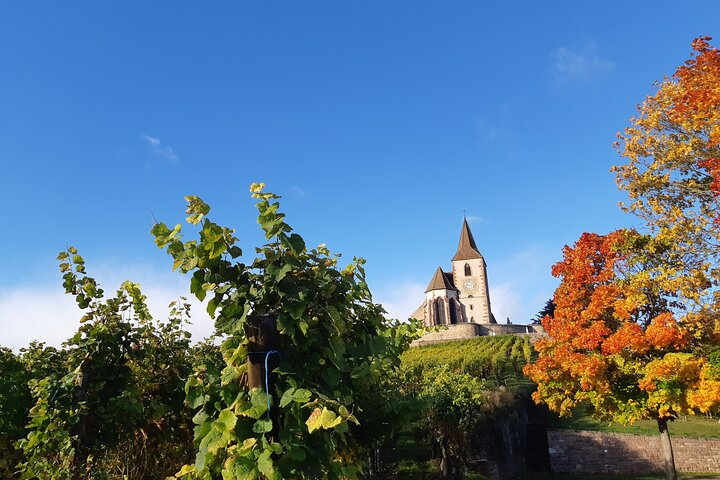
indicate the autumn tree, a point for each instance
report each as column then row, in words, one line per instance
column 620, row 340
column 672, row 178
column 636, row 325
column 672, row 174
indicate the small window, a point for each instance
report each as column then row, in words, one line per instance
column 468, row 272
column 471, row 307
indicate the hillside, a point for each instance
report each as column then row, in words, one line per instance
column 497, row 359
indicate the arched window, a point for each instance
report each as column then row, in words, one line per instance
column 453, row 312
column 468, row 272
column 439, row 312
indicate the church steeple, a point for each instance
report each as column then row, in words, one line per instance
column 467, row 249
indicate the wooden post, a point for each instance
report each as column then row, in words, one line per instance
column 261, row 332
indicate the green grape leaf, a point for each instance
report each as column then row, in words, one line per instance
column 301, row 395
column 228, row 419
column 287, row 397
column 265, row 465
column 240, row 468
column 264, row 425
column 322, row 419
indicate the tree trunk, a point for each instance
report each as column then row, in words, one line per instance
column 670, row 473
column 444, row 467
column 374, row 464
column 377, row 462
column 450, row 467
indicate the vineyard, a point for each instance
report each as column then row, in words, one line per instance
column 298, row 381
column 460, row 391
column 304, row 377
column 498, row 359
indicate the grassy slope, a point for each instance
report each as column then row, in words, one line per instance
column 690, row 426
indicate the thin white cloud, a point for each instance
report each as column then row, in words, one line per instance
column 579, row 65
column 29, row 314
column 473, row 219
column 299, row 191
column 506, row 302
column 401, row 301
column 160, row 150
column 491, row 132
column 154, row 142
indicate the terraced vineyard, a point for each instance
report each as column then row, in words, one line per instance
column 498, row 359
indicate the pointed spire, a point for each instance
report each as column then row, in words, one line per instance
column 466, row 249
column 440, row 281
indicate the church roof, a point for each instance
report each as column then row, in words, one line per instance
column 467, row 249
column 419, row 313
column 441, row 281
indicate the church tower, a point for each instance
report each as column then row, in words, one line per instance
column 470, row 276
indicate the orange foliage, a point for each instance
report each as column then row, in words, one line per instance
column 697, row 101
column 605, row 341
column 636, row 315
column 677, row 131
column 630, row 335
column 585, row 295
column 680, row 368
column 664, row 332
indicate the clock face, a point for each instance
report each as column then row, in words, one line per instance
column 469, row 284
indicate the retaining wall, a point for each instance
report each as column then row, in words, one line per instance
column 462, row 331
column 600, row 452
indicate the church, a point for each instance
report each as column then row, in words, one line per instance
column 460, row 299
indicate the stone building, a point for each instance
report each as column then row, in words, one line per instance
column 460, row 299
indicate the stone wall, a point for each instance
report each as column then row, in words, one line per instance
column 499, row 451
column 452, row 332
column 463, row 331
column 600, row 452
column 505, row 329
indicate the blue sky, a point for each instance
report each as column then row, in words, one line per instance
column 378, row 123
